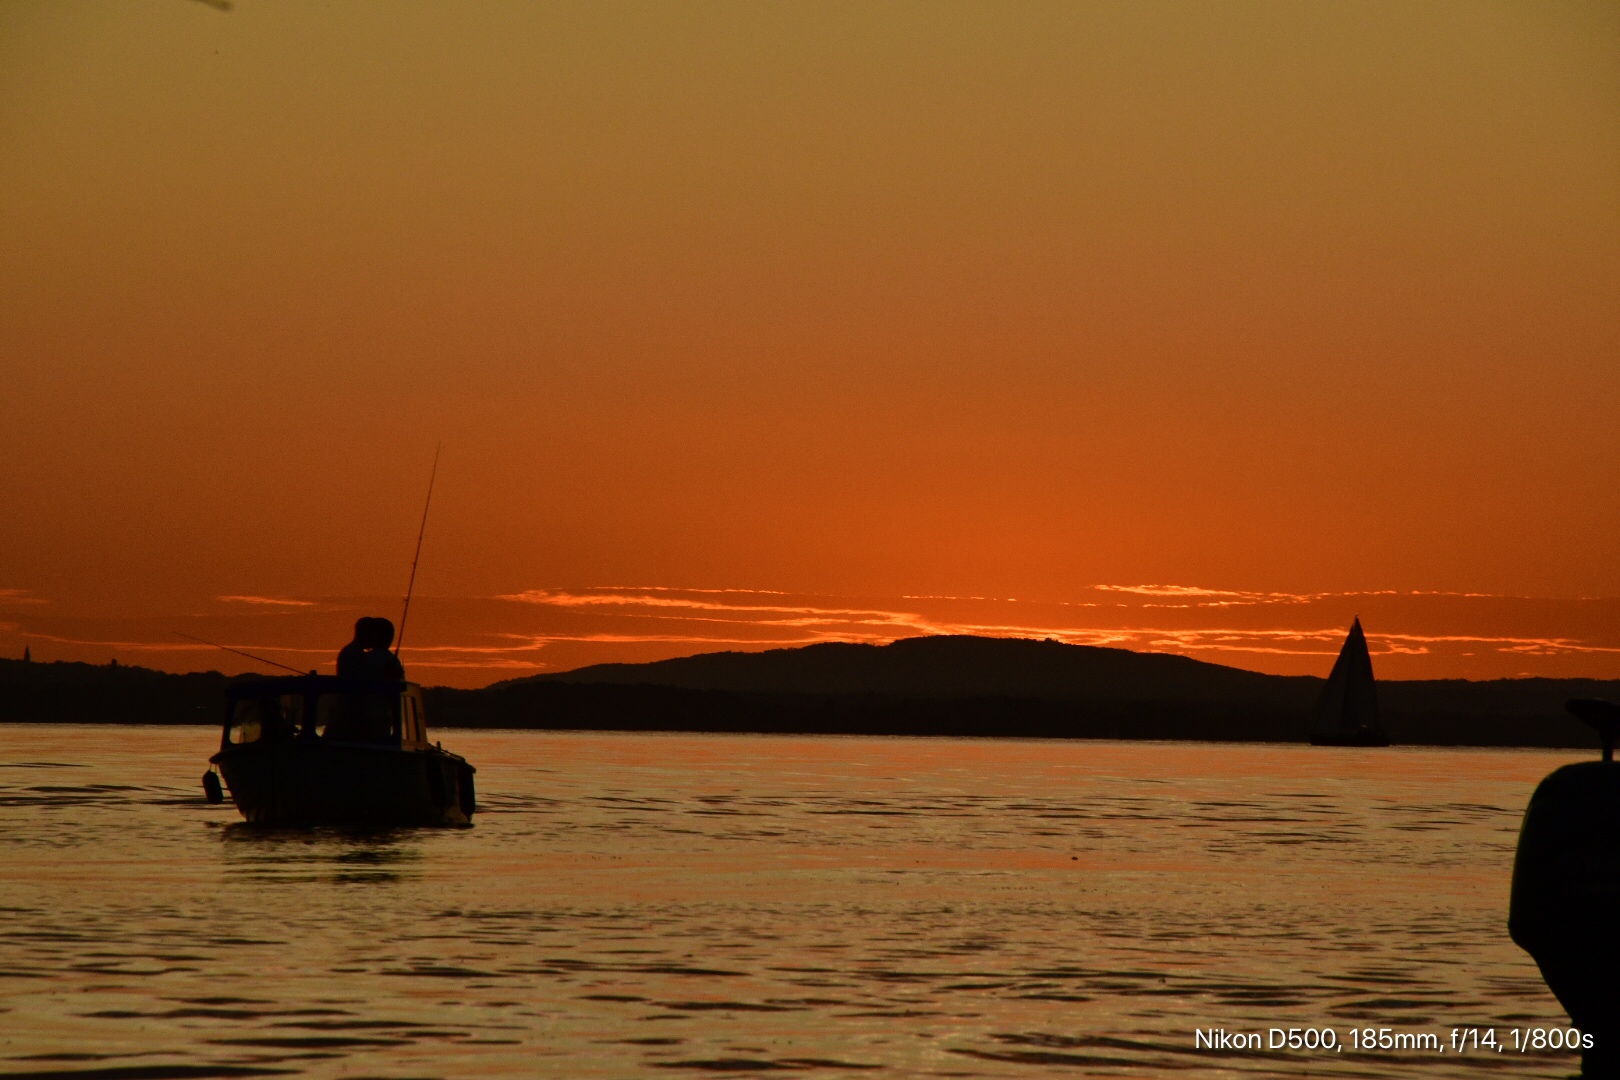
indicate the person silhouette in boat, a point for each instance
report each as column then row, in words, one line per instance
column 351, row 656
column 367, row 716
column 378, row 662
column 367, row 656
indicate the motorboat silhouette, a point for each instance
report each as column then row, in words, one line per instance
column 322, row 750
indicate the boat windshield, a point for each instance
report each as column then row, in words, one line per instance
column 358, row 717
column 256, row 719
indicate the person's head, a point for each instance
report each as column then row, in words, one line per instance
column 367, row 634
column 382, row 634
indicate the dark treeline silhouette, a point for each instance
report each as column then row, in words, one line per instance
column 629, row 707
column 921, row 686
column 72, row 693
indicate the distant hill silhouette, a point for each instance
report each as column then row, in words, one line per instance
column 1009, row 687
column 958, row 667
column 957, row 686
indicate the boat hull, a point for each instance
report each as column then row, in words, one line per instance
column 313, row 782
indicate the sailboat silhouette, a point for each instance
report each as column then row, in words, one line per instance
column 1347, row 712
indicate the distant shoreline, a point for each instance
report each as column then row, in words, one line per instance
column 473, row 729
column 1524, row 713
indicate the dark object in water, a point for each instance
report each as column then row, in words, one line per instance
column 1347, row 712
column 1565, row 907
column 1604, row 716
column 319, row 750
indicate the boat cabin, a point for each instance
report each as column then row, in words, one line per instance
column 370, row 712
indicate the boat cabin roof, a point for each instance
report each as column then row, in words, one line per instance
column 313, row 684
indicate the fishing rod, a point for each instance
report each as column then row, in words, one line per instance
column 239, row 652
column 410, row 588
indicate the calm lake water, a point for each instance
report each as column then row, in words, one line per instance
column 679, row 905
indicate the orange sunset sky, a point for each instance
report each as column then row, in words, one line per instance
column 1187, row 326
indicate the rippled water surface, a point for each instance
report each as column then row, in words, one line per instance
column 669, row 905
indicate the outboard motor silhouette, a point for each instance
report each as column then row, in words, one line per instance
column 1565, row 907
